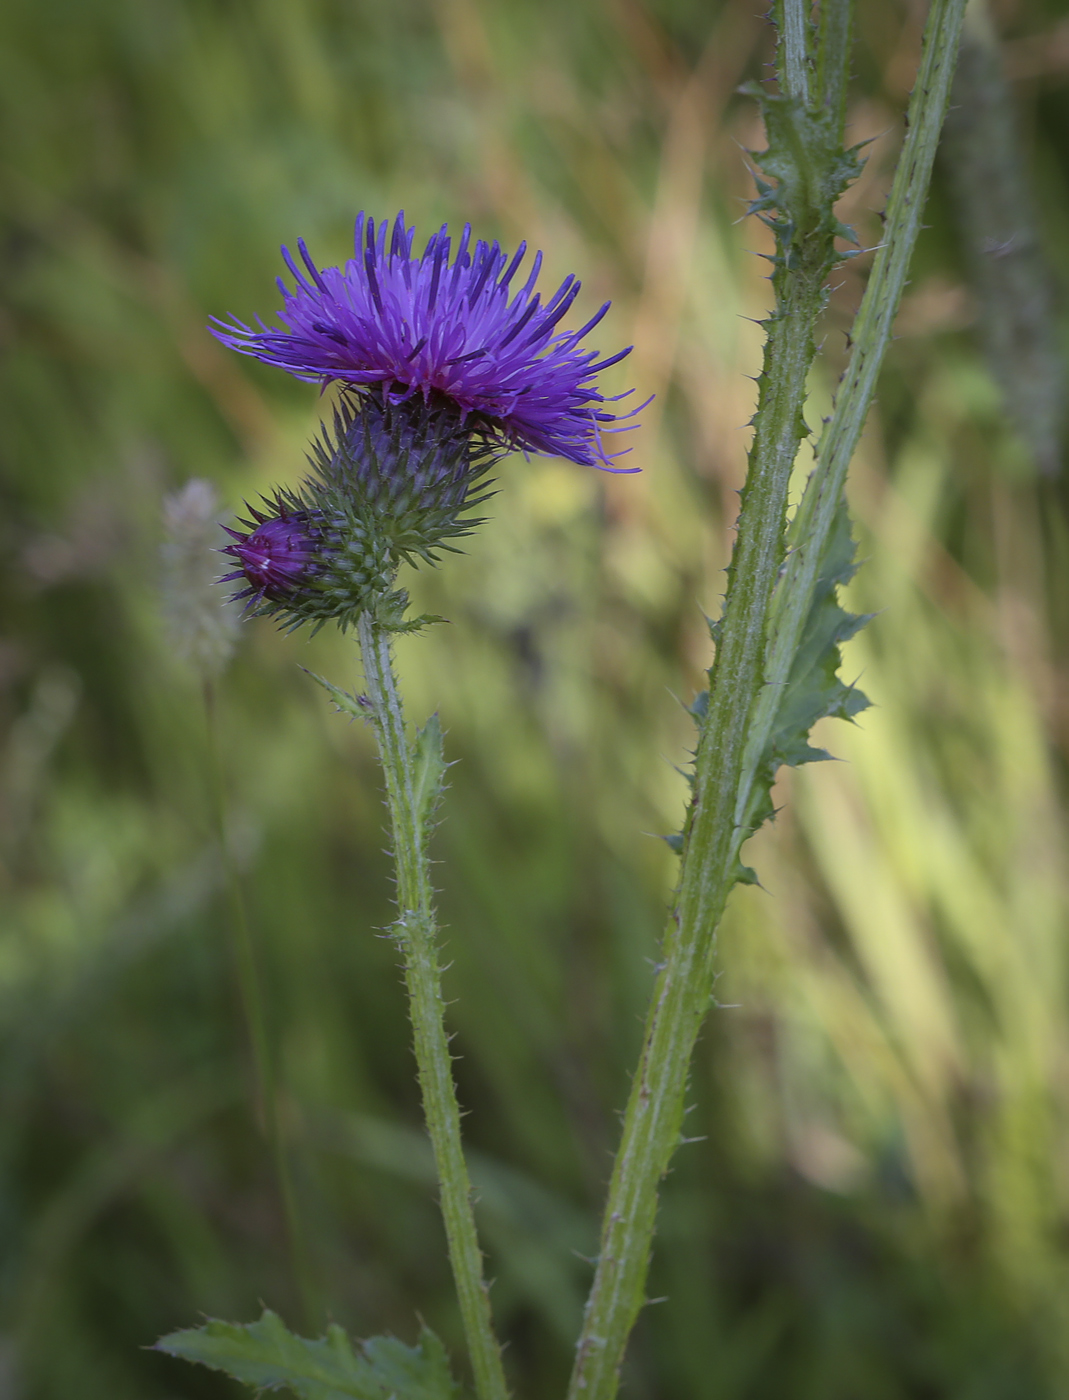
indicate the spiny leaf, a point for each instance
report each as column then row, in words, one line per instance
column 813, row 690
column 745, row 874
column 414, row 624
column 428, row 769
column 811, row 170
column 389, row 610
column 354, row 705
column 266, row 1355
column 412, row 1373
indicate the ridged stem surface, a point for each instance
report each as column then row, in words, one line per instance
column 416, row 934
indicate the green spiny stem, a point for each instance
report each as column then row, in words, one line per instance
column 792, row 22
column 833, row 61
column 742, row 706
column 683, row 987
column 871, row 335
column 416, row 934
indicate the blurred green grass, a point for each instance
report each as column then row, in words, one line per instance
column 877, row 1203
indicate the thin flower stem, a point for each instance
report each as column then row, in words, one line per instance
column 250, row 989
column 416, row 934
column 748, row 654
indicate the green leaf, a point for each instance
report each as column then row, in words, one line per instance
column 811, row 170
column 814, row 690
column 389, row 612
column 268, row 1356
column 428, row 769
column 412, row 1373
column 355, row 705
column 414, row 624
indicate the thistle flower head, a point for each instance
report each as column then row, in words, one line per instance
column 446, row 325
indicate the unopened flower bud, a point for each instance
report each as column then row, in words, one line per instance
column 273, row 556
column 393, row 483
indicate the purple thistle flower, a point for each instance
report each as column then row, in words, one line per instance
column 433, row 326
column 273, row 556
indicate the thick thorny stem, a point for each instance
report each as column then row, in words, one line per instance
column 684, row 982
column 747, row 647
column 416, row 934
column 871, row 335
column 683, row 987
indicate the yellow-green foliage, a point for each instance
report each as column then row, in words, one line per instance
column 877, row 1206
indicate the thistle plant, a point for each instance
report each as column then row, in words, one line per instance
column 445, row 370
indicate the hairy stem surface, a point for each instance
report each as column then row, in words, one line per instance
column 758, row 639
column 415, row 931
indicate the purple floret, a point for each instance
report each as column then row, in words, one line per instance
column 429, row 325
column 273, row 556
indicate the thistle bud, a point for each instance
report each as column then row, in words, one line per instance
column 392, row 483
column 273, row 556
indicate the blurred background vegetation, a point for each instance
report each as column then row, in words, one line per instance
column 878, row 1203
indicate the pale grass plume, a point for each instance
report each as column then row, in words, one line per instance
column 201, row 626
